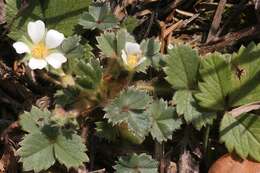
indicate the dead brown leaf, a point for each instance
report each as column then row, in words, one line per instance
column 187, row 164
column 119, row 12
column 244, row 109
column 172, row 168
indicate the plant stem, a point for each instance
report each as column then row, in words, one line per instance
column 159, row 154
column 206, row 139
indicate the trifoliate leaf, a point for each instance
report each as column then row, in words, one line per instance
column 112, row 44
column 106, row 130
column 49, row 139
column 216, row 75
column 70, row 151
column 30, row 121
column 99, row 16
column 61, row 15
column 39, row 151
column 164, row 120
column 181, row 69
column 245, row 75
column 187, row 106
column 130, row 107
column 88, row 75
column 142, row 163
column 36, row 152
column 241, row 134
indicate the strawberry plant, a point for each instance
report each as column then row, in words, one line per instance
column 124, row 103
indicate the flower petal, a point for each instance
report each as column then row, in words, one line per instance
column 37, row 63
column 56, row 59
column 36, row 31
column 132, row 48
column 53, row 39
column 21, row 47
column 141, row 61
column 124, row 57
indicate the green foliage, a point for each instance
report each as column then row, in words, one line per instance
column 142, row 163
column 99, row 16
column 241, row 134
column 61, row 15
column 33, row 120
column 34, row 148
column 71, row 47
column 187, row 106
column 69, row 150
column 151, row 50
column 66, row 96
column 130, row 23
column 130, row 108
column 112, row 44
column 48, row 140
column 216, row 75
column 88, row 74
column 181, row 69
column 106, row 130
column 75, row 53
column 164, row 120
column 245, row 75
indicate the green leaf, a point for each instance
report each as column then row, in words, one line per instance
column 112, row 44
column 130, row 23
column 88, row 75
column 142, row 163
column 242, row 135
column 75, row 53
column 71, row 47
column 216, row 76
column 61, row 15
column 130, row 107
column 181, row 69
column 66, row 96
column 151, row 50
column 49, row 139
column 99, row 16
column 164, row 120
column 70, row 150
column 36, row 152
column 30, row 121
column 187, row 106
column 245, row 75
column 107, row 43
column 106, row 130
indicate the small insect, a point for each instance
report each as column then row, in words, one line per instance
column 239, row 71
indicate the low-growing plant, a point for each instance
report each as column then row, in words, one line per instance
column 114, row 85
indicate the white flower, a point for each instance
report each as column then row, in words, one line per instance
column 42, row 46
column 132, row 55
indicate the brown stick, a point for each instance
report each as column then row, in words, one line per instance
column 235, row 13
column 229, row 39
column 216, row 20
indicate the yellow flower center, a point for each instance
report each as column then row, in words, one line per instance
column 39, row 51
column 132, row 60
